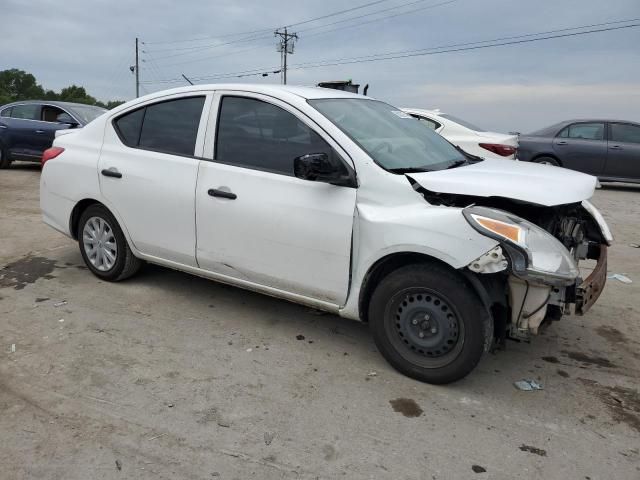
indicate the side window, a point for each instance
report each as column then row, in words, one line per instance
column 255, row 134
column 432, row 124
column 6, row 112
column 587, row 131
column 128, row 127
column 169, row 127
column 624, row 132
column 50, row 114
column 26, row 112
column 564, row 133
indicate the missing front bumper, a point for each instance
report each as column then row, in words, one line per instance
column 589, row 290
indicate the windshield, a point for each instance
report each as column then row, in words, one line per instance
column 86, row 113
column 464, row 123
column 393, row 139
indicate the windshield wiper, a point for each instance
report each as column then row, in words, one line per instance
column 409, row 170
column 458, row 163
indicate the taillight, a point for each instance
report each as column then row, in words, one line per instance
column 502, row 150
column 50, row 153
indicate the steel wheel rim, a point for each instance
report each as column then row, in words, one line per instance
column 99, row 244
column 417, row 311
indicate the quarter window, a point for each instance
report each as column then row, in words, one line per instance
column 624, row 132
column 6, row 112
column 584, row 131
column 26, row 112
column 432, row 124
column 169, row 127
column 258, row 135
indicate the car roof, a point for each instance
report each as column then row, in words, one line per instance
column 309, row 93
column 55, row 103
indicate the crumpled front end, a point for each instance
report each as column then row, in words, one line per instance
column 538, row 267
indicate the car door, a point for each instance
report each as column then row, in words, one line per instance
column 623, row 159
column 256, row 221
column 23, row 129
column 148, row 169
column 582, row 146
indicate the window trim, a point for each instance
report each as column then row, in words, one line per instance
column 40, row 105
column 605, row 132
column 610, row 131
column 299, row 115
column 114, row 125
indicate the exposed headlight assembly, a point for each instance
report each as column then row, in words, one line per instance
column 534, row 253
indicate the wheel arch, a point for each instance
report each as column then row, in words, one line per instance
column 551, row 155
column 77, row 211
column 384, row 266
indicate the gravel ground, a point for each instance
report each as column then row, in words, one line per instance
column 171, row 376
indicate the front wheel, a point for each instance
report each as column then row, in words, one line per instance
column 428, row 323
column 104, row 247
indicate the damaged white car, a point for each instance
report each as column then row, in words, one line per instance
column 336, row 201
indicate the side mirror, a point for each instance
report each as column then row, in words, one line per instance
column 318, row 167
column 66, row 119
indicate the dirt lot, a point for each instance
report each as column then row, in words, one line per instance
column 169, row 376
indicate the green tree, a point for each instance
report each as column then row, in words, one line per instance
column 18, row 85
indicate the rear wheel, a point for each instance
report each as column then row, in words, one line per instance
column 104, row 247
column 428, row 323
column 5, row 161
column 547, row 161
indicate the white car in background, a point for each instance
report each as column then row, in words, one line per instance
column 470, row 138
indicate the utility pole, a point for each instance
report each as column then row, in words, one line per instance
column 137, row 71
column 285, row 47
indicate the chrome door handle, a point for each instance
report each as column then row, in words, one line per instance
column 616, row 147
column 3, row 126
column 561, row 143
column 39, row 131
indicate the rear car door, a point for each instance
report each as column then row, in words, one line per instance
column 259, row 223
column 148, row 169
column 582, row 146
column 623, row 160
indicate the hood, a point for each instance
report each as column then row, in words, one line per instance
column 528, row 182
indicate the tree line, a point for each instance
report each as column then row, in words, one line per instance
column 20, row 85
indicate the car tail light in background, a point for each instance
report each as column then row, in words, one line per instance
column 502, row 150
column 50, row 153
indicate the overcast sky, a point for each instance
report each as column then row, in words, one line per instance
column 508, row 88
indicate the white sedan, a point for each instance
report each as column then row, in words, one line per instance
column 336, row 201
column 470, row 138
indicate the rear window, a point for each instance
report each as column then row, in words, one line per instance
column 168, row 127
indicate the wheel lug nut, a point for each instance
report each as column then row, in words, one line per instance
column 421, row 334
column 426, row 316
column 414, row 321
column 434, row 330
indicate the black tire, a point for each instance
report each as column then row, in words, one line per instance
column 5, row 161
column 547, row 161
column 454, row 336
column 125, row 264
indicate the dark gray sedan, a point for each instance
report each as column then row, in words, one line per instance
column 608, row 149
column 27, row 128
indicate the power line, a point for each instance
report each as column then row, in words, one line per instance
column 496, row 42
column 264, row 30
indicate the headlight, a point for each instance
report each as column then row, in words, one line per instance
column 534, row 252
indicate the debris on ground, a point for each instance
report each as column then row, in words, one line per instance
column 61, row 320
column 535, row 450
column 223, row 422
column 13, row 348
column 60, row 304
column 118, row 465
column 478, row 469
column 527, row 385
column 372, row 374
column 299, row 337
column 621, row 277
column 634, row 245
column 268, row 437
column 249, row 349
